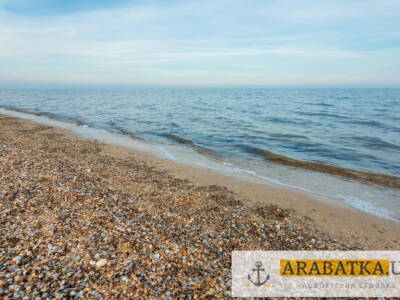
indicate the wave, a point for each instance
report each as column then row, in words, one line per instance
column 287, row 135
column 279, row 120
column 119, row 130
column 178, row 139
column 205, row 151
column 76, row 122
column 374, row 142
column 126, row 132
column 39, row 114
column 367, row 123
column 322, row 114
column 322, row 104
column 277, row 136
column 197, row 148
column 57, row 117
column 364, row 177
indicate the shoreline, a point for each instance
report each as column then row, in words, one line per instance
column 355, row 227
column 338, row 190
column 362, row 176
column 343, row 223
column 84, row 219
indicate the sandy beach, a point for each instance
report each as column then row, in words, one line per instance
column 87, row 219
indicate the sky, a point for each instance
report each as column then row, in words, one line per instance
column 200, row 43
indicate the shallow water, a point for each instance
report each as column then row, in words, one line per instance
column 349, row 128
column 353, row 128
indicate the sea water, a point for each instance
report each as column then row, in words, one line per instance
column 219, row 128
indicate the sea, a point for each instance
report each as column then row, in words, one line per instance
column 264, row 135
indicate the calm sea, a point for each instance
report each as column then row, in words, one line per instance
column 351, row 128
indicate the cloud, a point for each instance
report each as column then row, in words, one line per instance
column 188, row 42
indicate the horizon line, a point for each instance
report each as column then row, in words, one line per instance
column 132, row 86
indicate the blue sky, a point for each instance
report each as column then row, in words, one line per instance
column 200, row 43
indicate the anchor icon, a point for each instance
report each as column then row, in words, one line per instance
column 258, row 269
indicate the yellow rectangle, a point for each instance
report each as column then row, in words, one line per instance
column 334, row 267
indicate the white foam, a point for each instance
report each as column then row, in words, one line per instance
column 167, row 154
column 352, row 201
column 367, row 207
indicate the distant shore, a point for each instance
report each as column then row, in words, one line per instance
column 105, row 220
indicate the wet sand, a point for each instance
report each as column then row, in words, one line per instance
column 79, row 217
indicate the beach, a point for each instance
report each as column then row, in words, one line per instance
column 87, row 219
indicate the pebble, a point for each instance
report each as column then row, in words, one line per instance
column 17, row 260
column 101, row 263
column 124, row 229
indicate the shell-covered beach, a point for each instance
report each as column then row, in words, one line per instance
column 199, row 149
column 78, row 222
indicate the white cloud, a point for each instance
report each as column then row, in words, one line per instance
column 207, row 41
